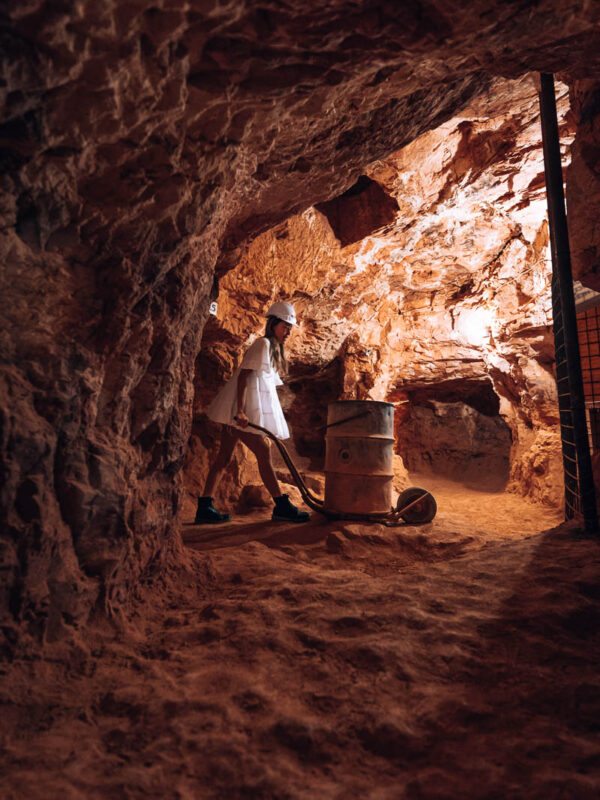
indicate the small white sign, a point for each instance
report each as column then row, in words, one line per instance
column 212, row 309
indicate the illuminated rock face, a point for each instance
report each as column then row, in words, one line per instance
column 141, row 146
column 447, row 304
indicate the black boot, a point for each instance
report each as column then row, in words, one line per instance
column 207, row 513
column 287, row 511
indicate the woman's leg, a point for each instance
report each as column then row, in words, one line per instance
column 284, row 510
column 229, row 439
column 262, row 450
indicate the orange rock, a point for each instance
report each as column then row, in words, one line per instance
column 143, row 149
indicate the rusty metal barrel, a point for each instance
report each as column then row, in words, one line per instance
column 359, row 456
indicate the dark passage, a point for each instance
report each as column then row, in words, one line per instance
column 453, row 430
column 361, row 210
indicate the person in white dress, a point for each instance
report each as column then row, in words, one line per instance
column 250, row 395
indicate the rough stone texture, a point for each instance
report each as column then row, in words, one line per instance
column 139, row 144
column 362, row 209
column 456, row 441
column 583, row 183
column 334, row 660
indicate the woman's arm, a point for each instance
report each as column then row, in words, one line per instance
column 240, row 416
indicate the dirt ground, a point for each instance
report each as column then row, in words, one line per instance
column 458, row 659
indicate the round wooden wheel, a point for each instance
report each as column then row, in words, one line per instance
column 423, row 510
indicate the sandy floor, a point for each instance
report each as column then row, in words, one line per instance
column 334, row 660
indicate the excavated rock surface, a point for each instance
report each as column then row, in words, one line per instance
column 138, row 145
column 455, row 660
column 448, row 303
column 583, row 183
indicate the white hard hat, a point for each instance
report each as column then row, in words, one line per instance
column 284, row 311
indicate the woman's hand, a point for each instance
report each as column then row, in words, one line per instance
column 241, row 419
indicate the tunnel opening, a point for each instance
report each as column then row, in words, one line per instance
column 447, row 284
column 454, row 430
column 362, row 209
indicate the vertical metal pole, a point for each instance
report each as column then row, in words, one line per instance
column 561, row 263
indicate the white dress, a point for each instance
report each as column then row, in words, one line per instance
column 262, row 403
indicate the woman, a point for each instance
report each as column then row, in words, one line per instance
column 250, row 395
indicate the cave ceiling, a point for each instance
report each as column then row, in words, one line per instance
column 447, row 296
column 229, row 117
column 435, row 292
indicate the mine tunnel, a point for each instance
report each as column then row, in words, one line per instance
column 394, row 175
column 426, row 284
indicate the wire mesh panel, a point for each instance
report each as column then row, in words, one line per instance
column 580, row 493
column 588, row 330
column 569, row 450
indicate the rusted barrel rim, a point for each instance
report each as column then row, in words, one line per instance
column 341, row 435
column 359, row 474
column 370, row 402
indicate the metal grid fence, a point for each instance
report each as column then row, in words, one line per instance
column 580, row 493
column 588, row 332
column 569, row 450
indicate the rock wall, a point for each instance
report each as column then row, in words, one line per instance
column 455, row 441
column 583, row 183
column 140, row 147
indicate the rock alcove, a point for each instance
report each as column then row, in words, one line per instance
column 144, row 152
